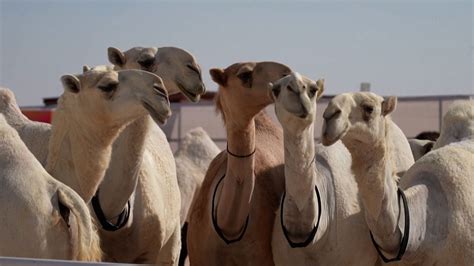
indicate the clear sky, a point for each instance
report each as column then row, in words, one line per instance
column 401, row 47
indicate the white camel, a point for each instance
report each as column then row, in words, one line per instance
column 319, row 221
column 40, row 217
column 428, row 219
column 193, row 157
column 458, row 124
column 34, row 134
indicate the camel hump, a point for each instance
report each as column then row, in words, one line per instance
column 84, row 239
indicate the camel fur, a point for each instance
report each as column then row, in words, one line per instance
column 438, row 187
column 458, row 123
column 40, row 217
column 193, row 157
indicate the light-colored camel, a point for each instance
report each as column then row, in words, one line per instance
column 439, row 187
column 93, row 109
column 458, row 124
column 319, row 221
column 245, row 200
column 40, row 217
column 193, row 157
column 34, row 134
column 142, row 170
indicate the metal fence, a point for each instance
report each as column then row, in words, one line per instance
column 413, row 115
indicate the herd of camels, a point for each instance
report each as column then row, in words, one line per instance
column 100, row 183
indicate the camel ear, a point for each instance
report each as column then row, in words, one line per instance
column 116, row 57
column 85, row 68
column 218, row 76
column 320, row 85
column 276, row 89
column 388, row 105
column 245, row 75
column 71, row 83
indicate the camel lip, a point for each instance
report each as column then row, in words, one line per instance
column 192, row 96
column 157, row 117
column 328, row 141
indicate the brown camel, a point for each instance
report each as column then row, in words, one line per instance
column 232, row 219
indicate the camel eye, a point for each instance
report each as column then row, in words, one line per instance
column 194, row 68
column 146, row 63
column 368, row 109
column 108, row 87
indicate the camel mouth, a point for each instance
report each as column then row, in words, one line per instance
column 330, row 141
column 191, row 95
column 157, row 116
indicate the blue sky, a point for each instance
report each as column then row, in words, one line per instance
column 401, row 47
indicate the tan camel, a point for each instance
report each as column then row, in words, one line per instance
column 40, row 217
column 428, row 221
column 319, row 221
column 93, row 109
column 458, row 123
column 141, row 178
column 242, row 204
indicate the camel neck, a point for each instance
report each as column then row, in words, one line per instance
column 121, row 177
column 300, row 173
column 300, row 205
column 375, row 173
column 238, row 185
column 79, row 152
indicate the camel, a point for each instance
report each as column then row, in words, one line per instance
column 141, row 180
column 40, row 216
column 458, row 124
column 231, row 219
column 426, row 218
column 319, row 221
column 34, row 134
column 193, row 157
column 93, row 109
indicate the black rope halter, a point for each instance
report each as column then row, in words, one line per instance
column 404, row 241
column 311, row 235
column 216, row 226
column 213, row 211
column 107, row 225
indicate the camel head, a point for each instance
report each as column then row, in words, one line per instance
column 356, row 118
column 116, row 97
column 7, row 99
column 177, row 67
column 295, row 100
column 243, row 87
